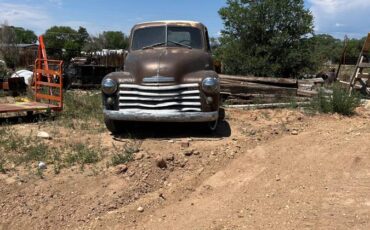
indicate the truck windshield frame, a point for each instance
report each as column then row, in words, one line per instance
column 167, row 36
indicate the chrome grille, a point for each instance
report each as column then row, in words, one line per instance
column 184, row 97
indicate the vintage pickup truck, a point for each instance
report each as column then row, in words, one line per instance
column 168, row 77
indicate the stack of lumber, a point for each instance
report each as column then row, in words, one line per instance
column 250, row 89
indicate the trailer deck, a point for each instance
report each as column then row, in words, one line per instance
column 26, row 107
column 48, row 89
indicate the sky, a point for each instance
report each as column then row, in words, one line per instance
column 334, row 17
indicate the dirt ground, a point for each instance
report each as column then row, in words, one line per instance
column 264, row 169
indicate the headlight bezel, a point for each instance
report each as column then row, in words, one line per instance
column 211, row 85
column 109, row 86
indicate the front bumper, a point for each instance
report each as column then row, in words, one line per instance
column 160, row 115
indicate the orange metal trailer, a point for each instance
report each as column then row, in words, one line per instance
column 47, row 86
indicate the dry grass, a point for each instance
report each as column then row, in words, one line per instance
column 82, row 113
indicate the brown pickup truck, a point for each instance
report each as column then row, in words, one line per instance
column 168, row 77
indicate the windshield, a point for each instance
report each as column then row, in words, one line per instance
column 177, row 36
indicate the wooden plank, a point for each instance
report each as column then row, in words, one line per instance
column 311, row 81
column 306, row 93
column 364, row 65
column 266, row 106
column 266, row 80
column 257, row 88
column 348, row 84
column 363, row 75
column 25, row 106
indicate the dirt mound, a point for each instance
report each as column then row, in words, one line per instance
column 264, row 169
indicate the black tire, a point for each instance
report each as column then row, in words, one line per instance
column 112, row 125
column 221, row 114
column 211, row 126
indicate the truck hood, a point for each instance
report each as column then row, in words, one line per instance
column 170, row 63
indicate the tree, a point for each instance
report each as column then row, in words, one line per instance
column 65, row 42
column 114, row 40
column 25, row 36
column 107, row 40
column 8, row 45
column 266, row 37
column 326, row 48
column 83, row 37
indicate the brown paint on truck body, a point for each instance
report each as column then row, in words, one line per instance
column 166, row 66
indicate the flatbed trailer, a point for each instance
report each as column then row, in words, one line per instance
column 47, row 88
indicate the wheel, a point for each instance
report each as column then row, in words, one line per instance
column 221, row 114
column 112, row 125
column 212, row 126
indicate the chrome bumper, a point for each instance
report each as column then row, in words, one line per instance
column 160, row 115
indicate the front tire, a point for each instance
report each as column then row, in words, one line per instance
column 112, row 125
column 212, row 126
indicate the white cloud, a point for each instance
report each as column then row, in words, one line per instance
column 39, row 18
column 340, row 17
column 31, row 17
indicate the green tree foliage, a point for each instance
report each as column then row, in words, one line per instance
column 107, row 40
column 353, row 50
column 25, row 36
column 266, row 37
column 64, row 38
column 326, row 48
column 115, row 40
column 22, row 36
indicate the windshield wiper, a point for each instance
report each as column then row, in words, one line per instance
column 153, row 45
column 180, row 44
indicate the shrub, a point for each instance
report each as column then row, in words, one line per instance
column 340, row 101
column 344, row 103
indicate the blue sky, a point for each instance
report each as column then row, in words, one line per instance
column 335, row 17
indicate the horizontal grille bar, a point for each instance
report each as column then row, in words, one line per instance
column 159, row 88
column 161, row 99
column 160, row 105
column 160, row 94
column 183, row 97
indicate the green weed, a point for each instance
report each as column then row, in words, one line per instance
column 125, row 157
column 82, row 155
column 340, row 101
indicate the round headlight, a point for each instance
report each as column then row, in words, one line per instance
column 109, row 86
column 211, row 85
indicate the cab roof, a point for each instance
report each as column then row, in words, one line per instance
column 170, row 22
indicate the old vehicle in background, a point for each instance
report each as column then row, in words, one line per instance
column 168, row 77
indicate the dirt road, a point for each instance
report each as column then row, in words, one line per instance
column 267, row 169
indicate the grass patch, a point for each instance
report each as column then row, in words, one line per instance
column 82, row 111
column 25, row 150
column 125, row 157
column 82, row 155
column 33, row 153
column 340, row 101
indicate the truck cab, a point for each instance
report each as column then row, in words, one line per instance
column 168, row 77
